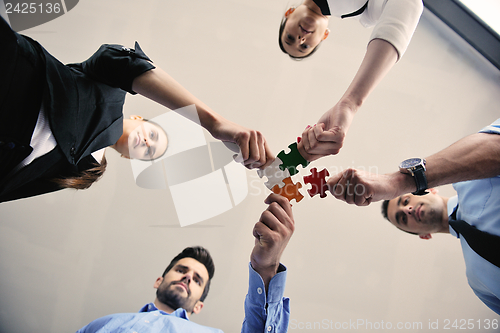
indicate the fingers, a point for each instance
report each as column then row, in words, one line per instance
column 350, row 187
column 317, row 141
column 277, row 218
column 269, row 156
column 255, row 151
column 282, row 202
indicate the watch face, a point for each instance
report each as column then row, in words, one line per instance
column 411, row 162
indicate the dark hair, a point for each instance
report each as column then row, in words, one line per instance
column 203, row 256
column 83, row 179
column 282, row 27
column 385, row 205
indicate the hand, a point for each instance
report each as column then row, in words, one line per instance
column 253, row 146
column 272, row 233
column 327, row 136
column 362, row 188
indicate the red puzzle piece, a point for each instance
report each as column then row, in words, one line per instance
column 289, row 191
column 318, row 182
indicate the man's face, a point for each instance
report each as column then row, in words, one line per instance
column 183, row 285
column 418, row 214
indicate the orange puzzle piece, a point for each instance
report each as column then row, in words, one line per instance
column 289, row 191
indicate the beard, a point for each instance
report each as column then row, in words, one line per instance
column 432, row 217
column 173, row 298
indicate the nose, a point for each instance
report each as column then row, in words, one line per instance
column 408, row 210
column 145, row 138
column 187, row 278
column 301, row 37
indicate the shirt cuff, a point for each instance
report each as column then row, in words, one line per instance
column 257, row 290
column 494, row 128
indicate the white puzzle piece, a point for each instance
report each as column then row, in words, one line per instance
column 274, row 174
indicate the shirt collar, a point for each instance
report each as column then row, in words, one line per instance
column 452, row 205
column 180, row 312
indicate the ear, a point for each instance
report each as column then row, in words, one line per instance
column 135, row 117
column 158, row 282
column 197, row 308
column 289, row 11
column 425, row 236
column 326, row 34
column 433, row 190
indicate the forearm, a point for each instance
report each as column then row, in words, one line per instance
column 160, row 87
column 379, row 58
column 474, row 157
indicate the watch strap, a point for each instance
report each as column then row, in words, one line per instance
column 420, row 181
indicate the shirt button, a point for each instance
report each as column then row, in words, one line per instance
column 259, row 291
column 146, row 321
column 269, row 328
column 72, row 151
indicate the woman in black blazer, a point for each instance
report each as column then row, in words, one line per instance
column 55, row 116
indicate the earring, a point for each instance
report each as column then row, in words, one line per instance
column 289, row 11
column 327, row 33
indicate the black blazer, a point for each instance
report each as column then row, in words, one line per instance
column 84, row 104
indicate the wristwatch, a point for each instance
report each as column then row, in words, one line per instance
column 416, row 168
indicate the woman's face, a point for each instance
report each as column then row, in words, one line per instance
column 142, row 140
column 304, row 30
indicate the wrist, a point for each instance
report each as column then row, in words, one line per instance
column 265, row 272
column 209, row 119
column 351, row 102
column 404, row 183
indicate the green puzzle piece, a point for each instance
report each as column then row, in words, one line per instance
column 292, row 159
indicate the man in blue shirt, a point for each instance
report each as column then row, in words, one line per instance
column 185, row 283
column 473, row 165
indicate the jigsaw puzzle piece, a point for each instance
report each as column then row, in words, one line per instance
column 292, row 159
column 274, row 174
column 318, row 182
column 290, row 190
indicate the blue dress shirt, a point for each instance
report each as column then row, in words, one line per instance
column 479, row 205
column 266, row 313
column 257, row 318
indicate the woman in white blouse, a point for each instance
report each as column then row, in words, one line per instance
column 304, row 28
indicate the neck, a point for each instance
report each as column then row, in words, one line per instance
column 161, row 306
column 446, row 224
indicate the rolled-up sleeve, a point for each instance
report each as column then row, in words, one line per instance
column 494, row 128
column 116, row 65
column 266, row 313
column 397, row 23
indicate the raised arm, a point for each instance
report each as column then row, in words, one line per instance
column 327, row 137
column 266, row 310
column 476, row 156
column 388, row 42
column 160, row 87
